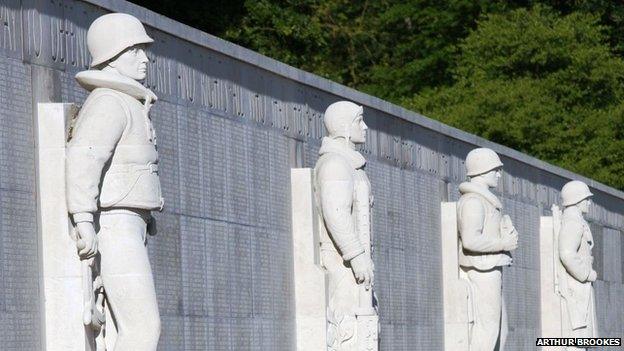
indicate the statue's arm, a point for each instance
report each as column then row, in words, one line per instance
column 336, row 198
column 570, row 237
column 98, row 129
column 472, row 217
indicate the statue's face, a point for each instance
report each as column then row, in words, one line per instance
column 584, row 205
column 132, row 63
column 491, row 178
column 358, row 130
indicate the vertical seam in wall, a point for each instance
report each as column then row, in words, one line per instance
column 35, row 114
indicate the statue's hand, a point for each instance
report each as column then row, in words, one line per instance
column 592, row 276
column 87, row 241
column 510, row 241
column 507, row 226
column 363, row 270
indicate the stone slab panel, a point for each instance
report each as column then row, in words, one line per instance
column 61, row 267
column 309, row 277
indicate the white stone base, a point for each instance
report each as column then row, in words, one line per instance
column 550, row 301
column 455, row 295
column 62, row 274
column 310, row 281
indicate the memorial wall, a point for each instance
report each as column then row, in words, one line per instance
column 231, row 124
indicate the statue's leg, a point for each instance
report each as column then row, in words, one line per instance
column 567, row 330
column 488, row 307
column 128, row 282
column 593, row 318
column 504, row 329
column 584, row 332
column 343, row 300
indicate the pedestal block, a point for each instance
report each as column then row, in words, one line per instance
column 310, row 281
column 456, row 290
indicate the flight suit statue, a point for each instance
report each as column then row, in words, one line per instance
column 343, row 196
column 112, row 176
column 485, row 239
column 576, row 278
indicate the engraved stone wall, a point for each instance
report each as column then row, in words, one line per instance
column 230, row 124
column 19, row 291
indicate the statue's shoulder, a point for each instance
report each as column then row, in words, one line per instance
column 105, row 95
column 572, row 224
column 471, row 203
column 104, row 99
column 333, row 159
column 333, row 165
column 104, row 104
column 573, row 220
column 470, row 199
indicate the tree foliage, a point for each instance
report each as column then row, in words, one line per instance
column 386, row 48
column 541, row 83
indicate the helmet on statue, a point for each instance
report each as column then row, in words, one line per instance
column 111, row 34
column 339, row 116
column 482, row 160
column 574, row 192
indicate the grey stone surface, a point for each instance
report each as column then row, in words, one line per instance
column 20, row 309
column 231, row 123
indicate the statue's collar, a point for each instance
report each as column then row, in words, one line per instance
column 93, row 79
column 333, row 145
column 467, row 187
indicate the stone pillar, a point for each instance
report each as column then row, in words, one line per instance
column 455, row 289
column 310, row 292
column 549, row 299
column 62, row 270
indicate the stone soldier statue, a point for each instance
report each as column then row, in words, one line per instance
column 575, row 280
column 485, row 237
column 112, row 176
column 343, row 196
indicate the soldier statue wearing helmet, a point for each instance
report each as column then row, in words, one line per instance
column 112, row 176
column 343, row 197
column 485, row 239
column 577, row 277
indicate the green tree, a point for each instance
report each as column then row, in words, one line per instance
column 390, row 49
column 334, row 38
column 420, row 44
column 542, row 83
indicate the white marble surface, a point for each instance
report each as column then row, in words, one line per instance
column 577, row 275
column 344, row 198
column 113, row 33
column 112, row 184
column 61, row 267
column 486, row 239
column 456, row 296
column 549, row 299
column 310, row 285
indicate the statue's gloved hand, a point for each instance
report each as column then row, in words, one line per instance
column 362, row 267
column 592, row 276
column 506, row 226
column 510, row 240
column 87, row 240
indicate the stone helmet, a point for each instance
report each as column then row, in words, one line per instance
column 574, row 192
column 481, row 160
column 339, row 116
column 111, row 34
